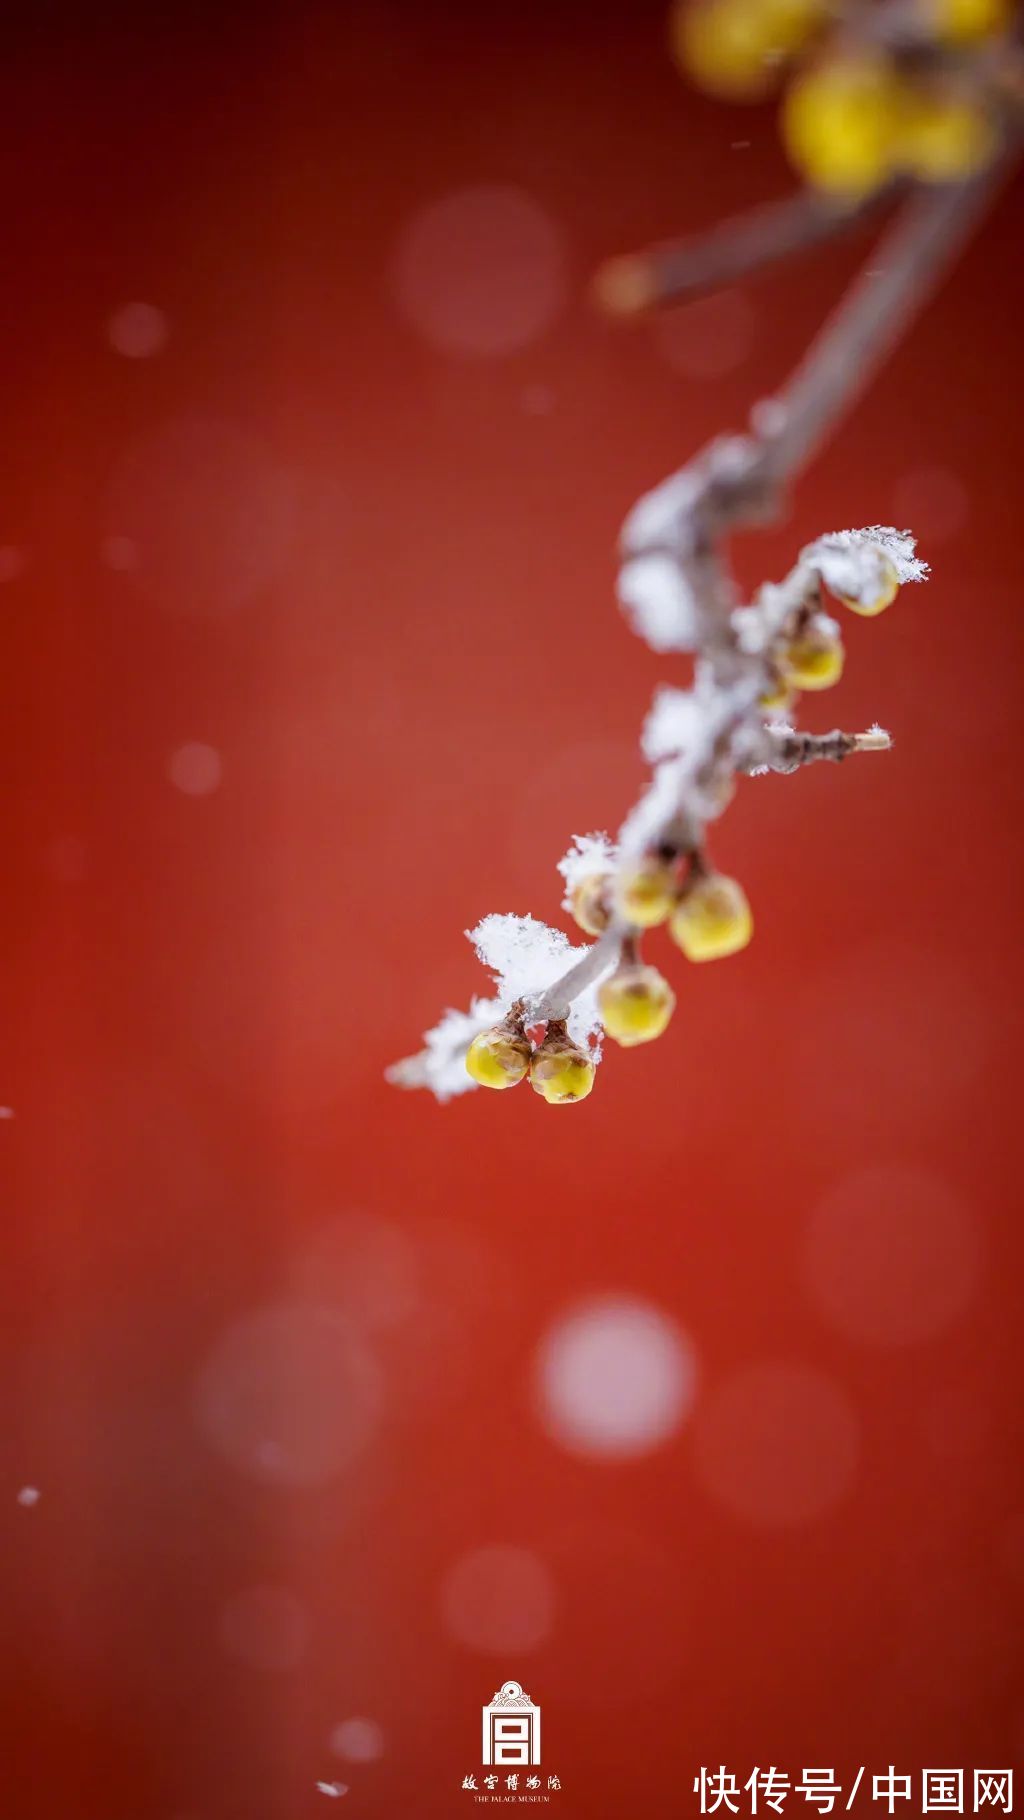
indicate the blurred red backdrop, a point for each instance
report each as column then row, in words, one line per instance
column 310, row 658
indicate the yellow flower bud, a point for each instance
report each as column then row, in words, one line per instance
column 636, row 1004
column 839, row 124
column 814, row 660
column 945, row 136
column 965, row 21
column 776, row 700
column 713, row 919
column 645, row 893
column 735, row 47
column 560, row 1071
column 498, row 1057
column 588, row 903
column 890, row 587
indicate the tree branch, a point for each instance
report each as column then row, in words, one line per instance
column 894, row 286
column 679, row 269
column 787, row 750
column 678, row 588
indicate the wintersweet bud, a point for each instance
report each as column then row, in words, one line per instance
column 560, row 1071
column 840, row 123
column 966, row 21
column 945, row 136
column 646, row 892
column 636, row 1003
column 735, row 47
column 499, row 1057
column 778, row 699
column 889, row 587
column 813, row 659
column 588, row 903
column 713, row 919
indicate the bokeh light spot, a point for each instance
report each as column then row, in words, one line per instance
column 65, row 858
column 777, row 1444
column 892, row 1255
column 614, row 1377
column 481, row 271
column 362, row 1265
column 13, row 562
column 358, row 1740
column 206, row 512
column 138, row 331
column 498, row 1598
column 120, row 554
column 289, row 1395
column 932, row 502
column 195, row 769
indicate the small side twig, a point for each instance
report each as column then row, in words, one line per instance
column 679, row 269
column 786, row 750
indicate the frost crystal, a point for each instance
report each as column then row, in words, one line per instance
column 850, row 561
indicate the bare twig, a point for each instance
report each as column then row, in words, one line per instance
column 786, row 750
column 779, row 230
column 893, row 288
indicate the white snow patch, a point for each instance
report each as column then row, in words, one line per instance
column 661, row 514
column 441, row 1064
column 659, row 602
column 673, row 724
column 591, row 855
column 526, row 957
column 850, row 562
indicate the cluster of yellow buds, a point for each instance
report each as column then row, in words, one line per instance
column 811, row 656
column 708, row 917
column 559, row 1070
column 865, row 107
column 707, row 913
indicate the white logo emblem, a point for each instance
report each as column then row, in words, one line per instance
column 511, row 1727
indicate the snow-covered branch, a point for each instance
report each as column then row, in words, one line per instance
column 750, row 663
column 551, row 1002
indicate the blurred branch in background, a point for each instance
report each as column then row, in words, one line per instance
column 684, row 268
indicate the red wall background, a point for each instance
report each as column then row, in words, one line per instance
column 375, row 577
